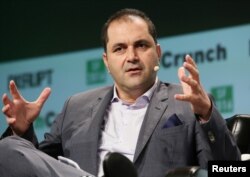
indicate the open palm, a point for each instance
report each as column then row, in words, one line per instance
column 19, row 112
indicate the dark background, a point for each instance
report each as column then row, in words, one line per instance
column 30, row 28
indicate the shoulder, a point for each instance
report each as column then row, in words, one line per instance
column 91, row 95
column 94, row 92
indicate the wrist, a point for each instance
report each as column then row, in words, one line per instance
column 204, row 116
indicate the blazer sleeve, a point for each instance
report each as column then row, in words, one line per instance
column 52, row 143
column 28, row 135
column 221, row 141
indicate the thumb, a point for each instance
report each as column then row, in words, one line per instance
column 43, row 96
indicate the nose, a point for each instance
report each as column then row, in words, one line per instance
column 132, row 55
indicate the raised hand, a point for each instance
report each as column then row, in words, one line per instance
column 193, row 91
column 19, row 112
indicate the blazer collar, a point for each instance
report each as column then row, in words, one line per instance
column 157, row 107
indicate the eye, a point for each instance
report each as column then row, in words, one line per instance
column 118, row 49
column 142, row 45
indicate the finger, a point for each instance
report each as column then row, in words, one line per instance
column 43, row 96
column 181, row 73
column 182, row 97
column 6, row 110
column 9, row 119
column 190, row 81
column 193, row 72
column 183, row 78
column 190, row 60
column 6, row 100
column 14, row 91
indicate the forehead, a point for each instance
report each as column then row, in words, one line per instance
column 129, row 28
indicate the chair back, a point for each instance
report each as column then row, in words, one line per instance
column 239, row 125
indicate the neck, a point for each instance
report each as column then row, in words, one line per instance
column 130, row 95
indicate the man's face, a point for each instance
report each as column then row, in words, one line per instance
column 131, row 54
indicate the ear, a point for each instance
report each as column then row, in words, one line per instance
column 158, row 50
column 105, row 60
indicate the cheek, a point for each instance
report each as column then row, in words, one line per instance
column 151, row 58
column 152, row 61
column 115, row 66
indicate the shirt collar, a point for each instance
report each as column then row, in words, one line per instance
column 147, row 95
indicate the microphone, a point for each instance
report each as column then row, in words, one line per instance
column 156, row 68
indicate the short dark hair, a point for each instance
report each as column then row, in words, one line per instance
column 123, row 14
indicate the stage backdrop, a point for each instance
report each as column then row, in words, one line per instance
column 223, row 58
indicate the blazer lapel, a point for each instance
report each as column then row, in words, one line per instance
column 98, row 112
column 156, row 108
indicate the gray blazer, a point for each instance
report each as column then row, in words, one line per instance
column 170, row 135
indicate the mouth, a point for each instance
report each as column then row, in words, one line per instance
column 133, row 70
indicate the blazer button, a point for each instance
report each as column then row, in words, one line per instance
column 211, row 137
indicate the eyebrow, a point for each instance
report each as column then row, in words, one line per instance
column 140, row 41
column 117, row 45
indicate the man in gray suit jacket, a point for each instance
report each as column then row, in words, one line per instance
column 157, row 125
